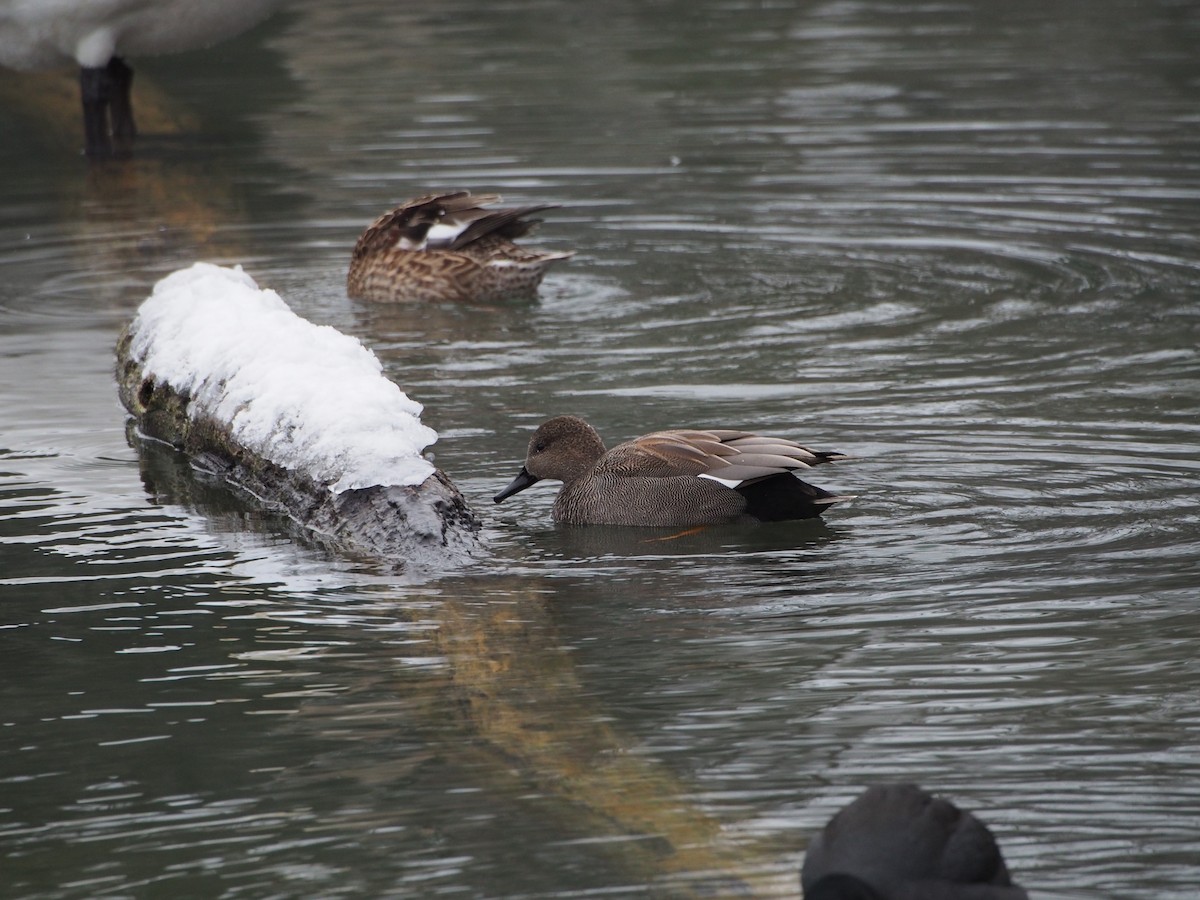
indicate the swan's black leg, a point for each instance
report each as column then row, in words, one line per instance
column 120, row 106
column 94, row 87
column 108, row 127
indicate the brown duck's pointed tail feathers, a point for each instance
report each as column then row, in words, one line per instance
column 784, row 497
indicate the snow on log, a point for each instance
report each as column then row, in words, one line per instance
column 299, row 415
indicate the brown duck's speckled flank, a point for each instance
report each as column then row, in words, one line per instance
column 449, row 247
column 672, row 478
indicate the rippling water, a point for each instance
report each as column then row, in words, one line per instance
column 961, row 243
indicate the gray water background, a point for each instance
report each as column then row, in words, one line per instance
column 960, row 241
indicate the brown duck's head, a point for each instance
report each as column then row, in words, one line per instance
column 562, row 449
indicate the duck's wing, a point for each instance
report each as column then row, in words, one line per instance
column 730, row 457
column 456, row 221
column 458, row 229
column 498, row 250
column 664, row 454
column 407, row 225
column 747, row 457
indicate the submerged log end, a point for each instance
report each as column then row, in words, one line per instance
column 425, row 522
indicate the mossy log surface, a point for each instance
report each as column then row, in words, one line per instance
column 428, row 525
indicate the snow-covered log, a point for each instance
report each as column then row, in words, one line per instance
column 299, row 415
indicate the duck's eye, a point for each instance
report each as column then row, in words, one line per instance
column 539, row 446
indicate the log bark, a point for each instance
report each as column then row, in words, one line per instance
column 426, row 526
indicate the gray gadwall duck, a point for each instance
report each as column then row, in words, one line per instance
column 899, row 842
column 672, row 478
column 448, row 247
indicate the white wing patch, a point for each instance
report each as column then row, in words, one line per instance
column 405, row 243
column 725, row 481
column 444, row 234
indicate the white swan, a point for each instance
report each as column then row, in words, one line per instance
column 96, row 34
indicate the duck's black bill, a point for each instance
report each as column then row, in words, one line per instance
column 522, row 481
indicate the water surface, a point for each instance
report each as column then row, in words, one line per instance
column 961, row 243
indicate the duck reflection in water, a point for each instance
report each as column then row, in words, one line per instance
column 898, row 842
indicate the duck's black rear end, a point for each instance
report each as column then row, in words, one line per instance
column 783, row 497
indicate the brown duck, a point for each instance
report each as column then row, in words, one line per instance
column 448, row 247
column 672, row 478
